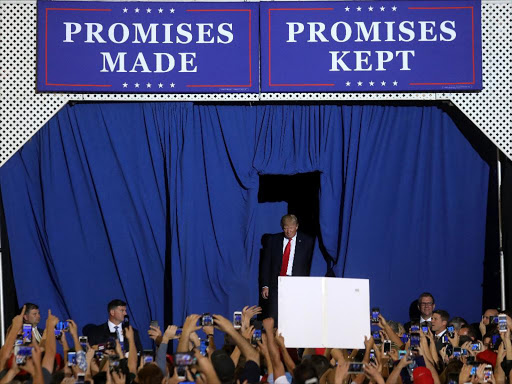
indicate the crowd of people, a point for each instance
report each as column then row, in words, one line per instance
column 434, row 349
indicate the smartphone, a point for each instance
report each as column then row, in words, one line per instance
column 83, row 342
column 27, row 333
column 147, row 356
column 476, row 346
column 98, row 355
column 402, row 353
column 424, row 328
column 445, row 339
column 375, row 315
column 256, row 336
column 153, row 323
column 22, row 353
column 453, row 378
column 404, row 338
column 386, row 346
column 80, row 379
column 376, row 337
column 451, row 331
column 178, row 332
column 203, row 345
column 184, row 359
column 487, row 372
column 71, row 359
column 356, row 368
column 181, row 371
column 502, row 323
column 464, row 352
column 19, row 340
column 493, row 319
column 126, row 321
column 237, row 319
column 372, row 356
column 415, row 328
column 415, row 339
column 470, row 360
column 206, row 320
column 473, row 370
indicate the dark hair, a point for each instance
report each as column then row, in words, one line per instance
column 150, row 374
column 320, row 363
column 445, row 316
column 426, row 294
column 29, row 307
column 471, row 331
column 303, row 372
column 115, row 303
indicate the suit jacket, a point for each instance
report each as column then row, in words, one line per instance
column 101, row 333
column 273, row 258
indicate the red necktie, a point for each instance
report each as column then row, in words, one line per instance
column 286, row 258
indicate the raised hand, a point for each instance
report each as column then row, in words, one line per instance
column 154, row 332
column 191, row 324
column 170, row 333
column 341, row 372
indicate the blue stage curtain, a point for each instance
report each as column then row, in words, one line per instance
column 117, row 200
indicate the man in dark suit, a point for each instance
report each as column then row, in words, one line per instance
column 288, row 253
column 33, row 317
column 113, row 328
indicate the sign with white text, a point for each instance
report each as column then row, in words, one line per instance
column 147, row 47
column 371, row 46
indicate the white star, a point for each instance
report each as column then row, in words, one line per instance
column 172, row 10
column 347, row 9
column 160, row 85
column 395, row 83
column 347, row 83
column 136, row 85
column 371, row 83
column 382, row 8
column 370, row 8
column 148, row 85
column 137, row 10
column 160, row 10
column 382, row 83
column 125, row 10
column 172, row 85
column 359, row 83
column 393, row 8
column 125, row 85
column 358, row 9
column 148, row 10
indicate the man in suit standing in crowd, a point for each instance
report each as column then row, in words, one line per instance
column 33, row 317
column 113, row 328
column 288, row 253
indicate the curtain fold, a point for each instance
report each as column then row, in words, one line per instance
column 157, row 204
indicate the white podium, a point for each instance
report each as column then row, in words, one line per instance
column 324, row 312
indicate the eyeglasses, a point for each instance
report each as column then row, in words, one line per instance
column 429, row 304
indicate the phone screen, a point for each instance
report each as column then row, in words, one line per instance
column 387, row 346
column 415, row 340
column 355, row 368
column 375, row 315
column 27, row 333
column 502, row 323
column 182, row 359
column 237, row 320
column 415, row 328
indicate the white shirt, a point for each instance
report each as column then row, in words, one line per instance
column 119, row 331
column 292, row 253
column 422, row 320
column 438, row 335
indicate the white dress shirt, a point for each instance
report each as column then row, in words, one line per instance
column 292, row 253
column 119, row 331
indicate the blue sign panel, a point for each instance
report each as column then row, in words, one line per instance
column 370, row 46
column 147, row 47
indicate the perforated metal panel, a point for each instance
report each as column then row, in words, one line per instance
column 23, row 111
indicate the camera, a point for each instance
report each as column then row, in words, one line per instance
column 476, row 346
column 80, row 378
column 237, row 319
column 386, row 346
column 256, row 336
column 83, row 342
column 451, row 331
column 147, row 356
column 376, row 337
column 22, row 354
column 502, row 323
column 71, row 359
column 424, row 327
column 203, row 345
column 457, row 352
column 415, row 340
column 62, row 326
column 126, row 322
column 487, row 372
column 206, row 320
column 27, row 333
column 373, row 358
column 153, row 323
column 356, row 368
column 375, row 315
